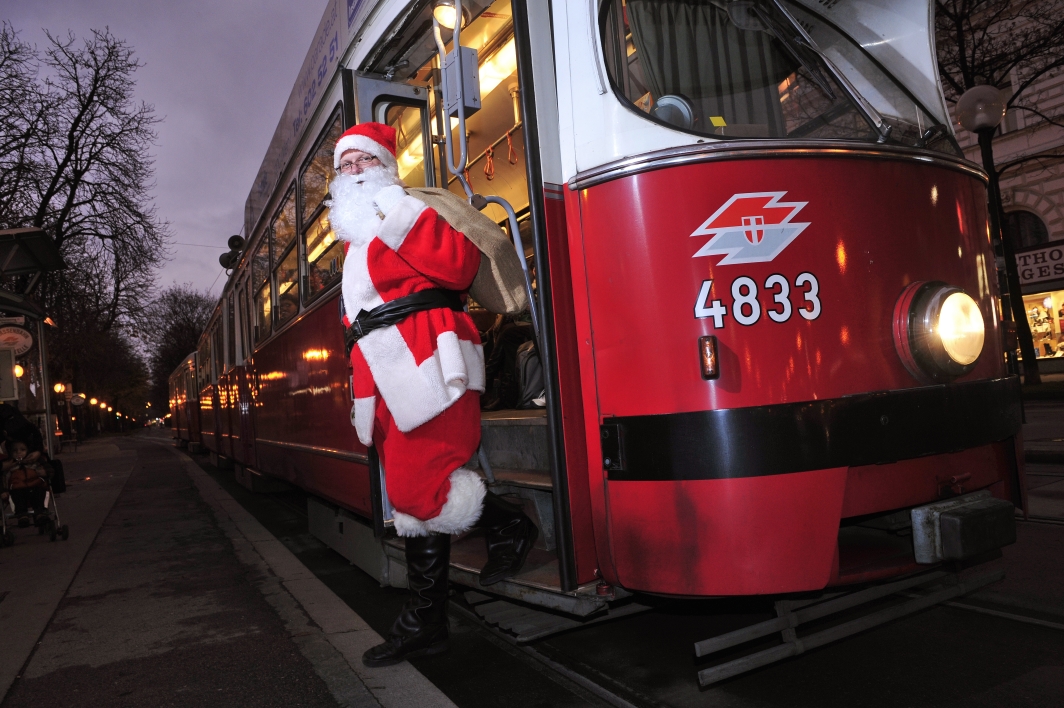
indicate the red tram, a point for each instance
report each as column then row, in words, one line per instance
column 184, row 403
column 767, row 301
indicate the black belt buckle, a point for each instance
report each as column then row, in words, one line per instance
column 357, row 327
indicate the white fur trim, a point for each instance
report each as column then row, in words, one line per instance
column 388, row 197
column 366, row 145
column 417, row 394
column 465, row 502
column 363, row 412
column 399, row 220
column 356, row 285
column 407, row 525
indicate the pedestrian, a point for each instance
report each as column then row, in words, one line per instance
column 418, row 372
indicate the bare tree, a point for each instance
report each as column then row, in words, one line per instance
column 21, row 119
column 75, row 160
column 171, row 328
column 1003, row 43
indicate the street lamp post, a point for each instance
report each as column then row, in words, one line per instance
column 980, row 110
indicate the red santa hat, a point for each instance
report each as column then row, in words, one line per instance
column 375, row 139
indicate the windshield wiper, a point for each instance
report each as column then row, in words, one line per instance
column 798, row 42
column 797, row 48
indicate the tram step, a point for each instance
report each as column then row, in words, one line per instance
column 538, row 583
column 516, row 440
column 527, row 624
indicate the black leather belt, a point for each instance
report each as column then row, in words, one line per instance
column 394, row 312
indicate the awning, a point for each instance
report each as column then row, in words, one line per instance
column 29, row 252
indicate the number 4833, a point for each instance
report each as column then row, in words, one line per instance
column 746, row 308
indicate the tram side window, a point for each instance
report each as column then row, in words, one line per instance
column 219, row 351
column 319, row 172
column 409, row 142
column 286, row 259
column 241, row 322
column 325, row 255
column 324, row 252
column 260, row 279
column 204, row 375
column 724, row 69
column 230, row 328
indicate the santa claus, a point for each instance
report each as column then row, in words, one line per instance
column 418, row 373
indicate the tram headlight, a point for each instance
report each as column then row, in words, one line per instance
column 938, row 331
column 960, row 326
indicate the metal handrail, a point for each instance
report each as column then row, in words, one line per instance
column 458, row 171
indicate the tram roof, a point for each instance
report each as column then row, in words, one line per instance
column 338, row 27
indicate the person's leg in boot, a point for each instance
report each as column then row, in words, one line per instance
column 509, row 535
column 421, row 627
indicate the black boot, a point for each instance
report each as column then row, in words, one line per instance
column 421, row 628
column 509, row 535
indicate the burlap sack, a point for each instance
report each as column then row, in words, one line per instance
column 500, row 285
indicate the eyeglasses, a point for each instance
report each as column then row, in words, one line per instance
column 361, row 162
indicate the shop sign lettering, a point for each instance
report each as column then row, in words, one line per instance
column 16, row 338
column 1043, row 264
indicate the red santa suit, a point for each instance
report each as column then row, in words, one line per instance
column 417, row 384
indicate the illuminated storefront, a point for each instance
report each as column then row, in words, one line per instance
column 1041, row 272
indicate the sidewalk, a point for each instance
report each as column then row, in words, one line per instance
column 1043, row 448
column 168, row 593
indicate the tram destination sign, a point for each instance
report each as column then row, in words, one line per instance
column 1041, row 264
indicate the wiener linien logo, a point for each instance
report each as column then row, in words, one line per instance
column 753, row 227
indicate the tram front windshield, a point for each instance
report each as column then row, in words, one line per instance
column 748, row 69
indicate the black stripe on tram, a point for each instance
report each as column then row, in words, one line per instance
column 865, row 429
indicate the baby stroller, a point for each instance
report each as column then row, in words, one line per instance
column 46, row 518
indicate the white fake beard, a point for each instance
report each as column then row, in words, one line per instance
column 352, row 214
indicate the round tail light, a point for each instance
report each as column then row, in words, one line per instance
column 938, row 331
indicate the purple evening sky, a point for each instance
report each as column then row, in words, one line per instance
column 218, row 73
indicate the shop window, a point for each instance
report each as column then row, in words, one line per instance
column 1045, row 315
column 1025, row 229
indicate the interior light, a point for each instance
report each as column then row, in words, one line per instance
column 444, row 13
column 19, row 371
column 109, row 409
column 59, row 388
column 93, row 401
column 493, row 70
